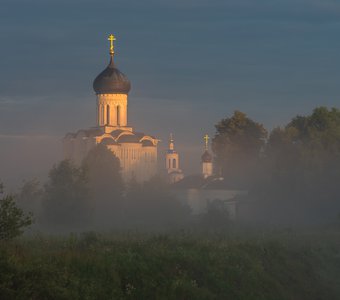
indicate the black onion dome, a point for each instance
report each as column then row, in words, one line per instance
column 111, row 81
column 206, row 157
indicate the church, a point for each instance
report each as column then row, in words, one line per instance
column 199, row 191
column 136, row 151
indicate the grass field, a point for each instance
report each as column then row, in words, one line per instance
column 276, row 265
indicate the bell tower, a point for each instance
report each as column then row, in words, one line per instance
column 172, row 162
column 207, row 161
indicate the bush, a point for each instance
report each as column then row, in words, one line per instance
column 12, row 219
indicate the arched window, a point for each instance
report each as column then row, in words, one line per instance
column 118, row 115
column 108, row 115
column 174, row 164
column 102, row 122
column 169, row 164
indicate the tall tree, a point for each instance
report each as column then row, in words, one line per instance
column 237, row 145
column 106, row 183
column 67, row 199
column 310, row 145
column 303, row 159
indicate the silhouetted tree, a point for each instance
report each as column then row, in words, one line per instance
column 308, row 148
column 105, row 181
column 237, row 145
column 67, row 199
column 12, row 219
column 30, row 196
column 303, row 159
column 153, row 205
column 216, row 216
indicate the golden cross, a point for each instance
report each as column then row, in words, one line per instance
column 111, row 39
column 206, row 139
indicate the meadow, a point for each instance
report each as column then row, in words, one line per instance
column 281, row 264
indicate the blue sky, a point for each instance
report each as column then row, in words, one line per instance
column 191, row 63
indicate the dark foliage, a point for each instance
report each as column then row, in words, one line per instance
column 302, row 164
column 105, row 182
column 216, row 217
column 237, row 145
column 67, row 199
column 13, row 220
column 30, row 196
column 170, row 267
column 152, row 205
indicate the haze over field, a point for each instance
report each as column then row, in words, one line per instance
column 250, row 211
column 191, row 63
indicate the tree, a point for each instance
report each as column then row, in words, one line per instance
column 103, row 169
column 303, row 159
column 12, row 219
column 152, row 205
column 105, row 182
column 284, row 158
column 30, row 196
column 217, row 216
column 307, row 148
column 237, row 145
column 67, row 200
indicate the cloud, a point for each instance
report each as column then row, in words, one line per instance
column 4, row 101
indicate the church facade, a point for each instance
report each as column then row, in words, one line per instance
column 136, row 151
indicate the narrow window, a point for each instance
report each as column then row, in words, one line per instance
column 102, row 115
column 118, row 115
column 174, row 164
column 108, row 115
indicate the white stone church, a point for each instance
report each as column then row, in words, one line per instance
column 136, row 151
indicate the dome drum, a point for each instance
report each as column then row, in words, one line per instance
column 207, row 157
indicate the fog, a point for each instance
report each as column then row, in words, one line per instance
column 255, row 213
column 190, row 65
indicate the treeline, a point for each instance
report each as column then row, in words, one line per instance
column 292, row 176
column 293, row 173
column 93, row 196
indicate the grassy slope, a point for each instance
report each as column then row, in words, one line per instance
column 282, row 266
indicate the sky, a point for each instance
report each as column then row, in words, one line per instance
column 191, row 63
